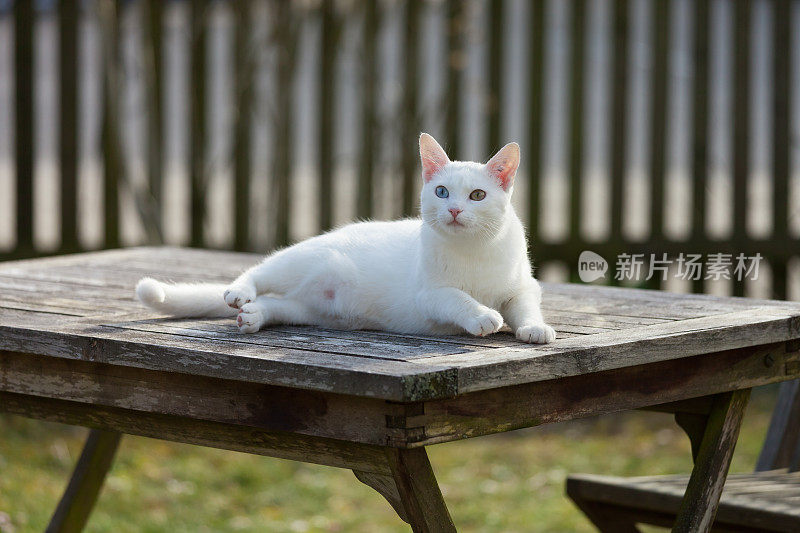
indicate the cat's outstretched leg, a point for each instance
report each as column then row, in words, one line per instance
column 300, row 273
column 275, row 274
column 524, row 315
column 266, row 310
column 454, row 306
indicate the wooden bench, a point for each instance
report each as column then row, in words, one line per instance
column 767, row 500
column 76, row 348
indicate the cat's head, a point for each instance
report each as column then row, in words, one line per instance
column 462, row 197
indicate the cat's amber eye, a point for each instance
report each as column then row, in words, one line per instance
column 477, row 195
column 441, row 191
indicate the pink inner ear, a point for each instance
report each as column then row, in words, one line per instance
column 432, row 163
column 504, row 172
column 503, row 166
column 432, row 155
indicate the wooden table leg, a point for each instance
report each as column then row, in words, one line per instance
column 87, row 479
column 712, row 460
column 412, row 490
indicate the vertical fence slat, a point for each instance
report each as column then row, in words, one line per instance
column 619, row 108
column 69, row 13
column 284, row 29
column 244, row 76
column 155, row 59
column 782, row 49
column 658, row 136
column 456, row 63
column 535, row 80
column 24, row 149
column 495, row 61
column 370, row 142
column 198, row 121
column 700, row 131
column 109, row 135
column 410, row 124
column 325, row 94
column 741, row 125
column 576, row 122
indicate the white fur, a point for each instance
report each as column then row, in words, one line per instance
column 409, row 276
column 184, row 299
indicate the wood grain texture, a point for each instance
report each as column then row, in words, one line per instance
column 82, row 307
column 283, row 445
column 265, row 407
column 765, row 501
column 412, row 490
column 694, row 425
column 699, row 505
column 655, row 384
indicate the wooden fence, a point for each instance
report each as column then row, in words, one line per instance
column 286, row 20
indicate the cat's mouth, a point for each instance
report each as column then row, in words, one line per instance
column 455, row 223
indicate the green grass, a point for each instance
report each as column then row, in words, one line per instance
column 505, row 483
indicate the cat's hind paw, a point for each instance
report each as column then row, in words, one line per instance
column 250, row 318
column 536, row 334
column 486, row 322
column 238, row 296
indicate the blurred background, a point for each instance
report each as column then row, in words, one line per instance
column 646, row 126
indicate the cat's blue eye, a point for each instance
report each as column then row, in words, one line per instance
column 441, row 191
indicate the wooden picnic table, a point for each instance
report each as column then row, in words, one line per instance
column 75, row 347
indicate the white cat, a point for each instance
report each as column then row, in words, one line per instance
column 462, row 267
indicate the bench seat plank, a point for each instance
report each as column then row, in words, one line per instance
column 763, row 501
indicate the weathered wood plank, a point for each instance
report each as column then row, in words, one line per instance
column 29, row 286
column 663, row 298
column 115, row 277
column 216, row 260
column 260, row 406
column 360, row 343
column 412, row 490
column 650, row 304
column 292, row 446
column 694, row 425
column 553, row 313
column 9, row 309
column 556, row 400
column 617, row 349
column 329, row 415
column 601, row 329
column 306, row 369
column 500, row 340
column 699, row 505
column 658, row 499
column 61, row 305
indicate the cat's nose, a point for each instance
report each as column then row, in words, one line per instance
column 454, row 212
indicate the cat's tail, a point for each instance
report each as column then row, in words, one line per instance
column 184, row 299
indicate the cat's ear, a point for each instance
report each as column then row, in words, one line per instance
column 432, row 155
column 503, row 166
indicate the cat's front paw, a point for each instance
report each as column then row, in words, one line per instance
column 485, row 322
column 250, row 318
column 536, row 334
column 237, row 296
